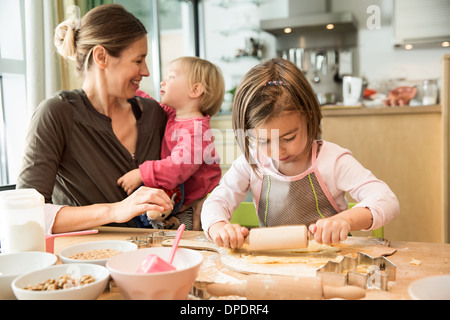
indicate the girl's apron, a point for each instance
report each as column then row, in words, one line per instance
column 297, row 200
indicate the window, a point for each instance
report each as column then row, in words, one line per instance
column 172, row 31
column 13, row 108
column 29, row 70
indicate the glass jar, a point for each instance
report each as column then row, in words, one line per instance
column 430, row 92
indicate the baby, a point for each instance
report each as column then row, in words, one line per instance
column 192, row 92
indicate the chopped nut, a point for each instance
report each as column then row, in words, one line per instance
column 64, row 282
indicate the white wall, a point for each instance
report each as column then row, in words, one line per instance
column 379, row 61
column 226, row 31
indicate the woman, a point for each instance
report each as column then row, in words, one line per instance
column 80, row 142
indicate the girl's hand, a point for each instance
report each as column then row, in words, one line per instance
column 228, row 235
column 144, row 199
column 331, row 230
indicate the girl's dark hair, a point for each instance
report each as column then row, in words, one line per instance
column 255, row 102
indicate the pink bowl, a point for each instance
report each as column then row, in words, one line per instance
column 170, row 285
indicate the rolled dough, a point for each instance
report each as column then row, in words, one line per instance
column 315, row 254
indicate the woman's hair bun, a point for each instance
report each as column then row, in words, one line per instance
column 65, row 38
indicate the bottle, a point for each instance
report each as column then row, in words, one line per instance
column 430, row 92
column 22, row 221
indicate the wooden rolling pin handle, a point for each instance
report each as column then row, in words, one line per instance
column 285, row 288
column 274, row 238
column 344, row 292
column 227, row 289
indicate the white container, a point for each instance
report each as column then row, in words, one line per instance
column 22, row 221
column 352, row 90
column 430, row 92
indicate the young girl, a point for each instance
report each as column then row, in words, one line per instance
column 294, row 178
column 192, row 92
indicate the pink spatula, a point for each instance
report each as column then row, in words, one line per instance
column 152, row 263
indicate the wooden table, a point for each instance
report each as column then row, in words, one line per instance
column 434, row 260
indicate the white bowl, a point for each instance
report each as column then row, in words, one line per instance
column 13, row 265
column 89, row 291
column 122, row 246
column 431, row 288
column 171, row 285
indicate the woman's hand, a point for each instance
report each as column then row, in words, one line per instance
column 331, row 230
column 142, row 200
column 228, row 235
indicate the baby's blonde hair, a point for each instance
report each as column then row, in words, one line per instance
column 210, row 77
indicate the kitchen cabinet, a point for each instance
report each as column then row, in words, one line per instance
column 403, row 147
column 445, row 102
column 407, row 147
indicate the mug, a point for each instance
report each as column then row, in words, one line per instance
column 352, row 90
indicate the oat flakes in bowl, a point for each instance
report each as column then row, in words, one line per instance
column 95, row 252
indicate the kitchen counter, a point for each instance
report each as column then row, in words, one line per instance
column 434, row 259
column 342, row 111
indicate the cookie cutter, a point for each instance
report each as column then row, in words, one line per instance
column 152, row 238
column 199, row 290
column 363, row 271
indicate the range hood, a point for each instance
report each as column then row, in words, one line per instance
column 416, row 25
column 307, row 15
column 341, row 20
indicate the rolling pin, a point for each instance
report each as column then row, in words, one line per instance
column 274, row 238
column 271, row 287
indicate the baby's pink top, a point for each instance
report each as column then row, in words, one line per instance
column 340, row 172
column 187, row 156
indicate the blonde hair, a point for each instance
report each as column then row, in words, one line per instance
column 267, row 90
column 110, row 26
column 210, row 77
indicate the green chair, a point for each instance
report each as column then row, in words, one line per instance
column 245, row 215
